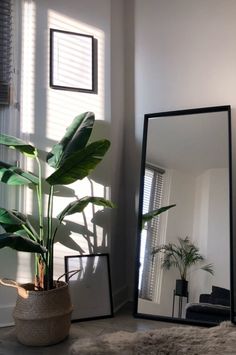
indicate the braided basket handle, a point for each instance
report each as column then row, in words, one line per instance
column 71, row 273
column 11, row 283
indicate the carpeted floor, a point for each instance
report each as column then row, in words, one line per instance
column 220, row 340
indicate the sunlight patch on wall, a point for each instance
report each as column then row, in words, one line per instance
column 81, row 233
column 78, row 233
column 25, row 202
column 28, row 67
column 27, row 93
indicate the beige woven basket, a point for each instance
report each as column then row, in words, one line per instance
column 42, row 317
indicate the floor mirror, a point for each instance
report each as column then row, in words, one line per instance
column 184, row 256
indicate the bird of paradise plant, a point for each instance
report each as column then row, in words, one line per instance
column 73, row 158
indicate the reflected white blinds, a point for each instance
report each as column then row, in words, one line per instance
column 153, row 189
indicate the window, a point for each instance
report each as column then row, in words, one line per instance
column 152, row 199
column 5, row 50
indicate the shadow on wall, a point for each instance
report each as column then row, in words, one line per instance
column 102, row 173
column 89, row 231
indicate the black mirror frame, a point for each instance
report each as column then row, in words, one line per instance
column 232, row 206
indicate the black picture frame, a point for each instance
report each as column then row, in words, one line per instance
column 72, row 61
column 90, row 288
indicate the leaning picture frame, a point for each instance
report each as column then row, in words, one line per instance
column 90, row 287
column 72, row 61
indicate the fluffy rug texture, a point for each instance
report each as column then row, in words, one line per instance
column 219, row 340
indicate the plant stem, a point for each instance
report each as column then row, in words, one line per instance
column 29, row 232
column 49, row 273
column 40, row 202
column 49, row 216
column 40, row 213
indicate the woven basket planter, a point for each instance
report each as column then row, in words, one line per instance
column 42, row 317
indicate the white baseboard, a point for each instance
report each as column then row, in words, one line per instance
column 6, row 318
column 120, row 298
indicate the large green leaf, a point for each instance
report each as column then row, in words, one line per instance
column 26, row 222
column 20, row 243
column 19, row 144
column 75, row 138
column 9, row 218
column 150, row 215
column 12, row 175
column 79, row 164
column 13, row 222
column 79, row 205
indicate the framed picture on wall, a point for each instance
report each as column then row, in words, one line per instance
column 90, row 288
column 72, row 61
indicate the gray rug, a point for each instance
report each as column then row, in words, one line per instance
column 220, row 340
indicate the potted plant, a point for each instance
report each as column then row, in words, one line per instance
column 181, row 256
column 45, row 304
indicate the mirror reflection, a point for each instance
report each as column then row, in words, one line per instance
column 184, row 250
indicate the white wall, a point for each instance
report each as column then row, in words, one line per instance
column 185, row 53
column 45, row 118
column 179, row 225
column 211, row 230
column 218, row 248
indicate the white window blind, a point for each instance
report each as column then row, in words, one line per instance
column 9, row 57
column 5, row 50
column 152, row 199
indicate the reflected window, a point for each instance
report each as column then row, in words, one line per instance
column 152, row 199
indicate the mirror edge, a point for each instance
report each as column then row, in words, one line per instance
column 232, row 175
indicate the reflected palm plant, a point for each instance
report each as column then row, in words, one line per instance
column 181, row 256
column 73, row 158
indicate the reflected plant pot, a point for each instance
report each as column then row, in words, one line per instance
column 181, row 288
